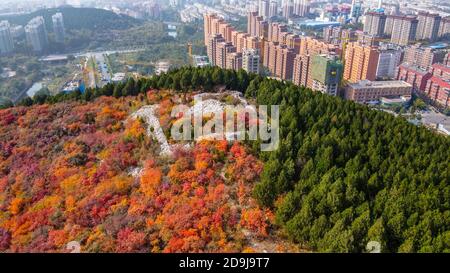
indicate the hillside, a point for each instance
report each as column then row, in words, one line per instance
column 79, row 18
column 83, row 168
column 91, row 173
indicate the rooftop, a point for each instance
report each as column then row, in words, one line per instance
column 54, row 58
column 379, row 84
column 439, row 45
column 441, row 82
column 201, row 60
column 414, row 69
column 443, row 67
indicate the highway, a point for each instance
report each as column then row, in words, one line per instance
column 98, row 67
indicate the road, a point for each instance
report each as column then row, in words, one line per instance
column 103, row 67
column 108, row 52
column 89, row 67
column 100, row 63
column 99, row 56
column 433, row 117
column 98, row 67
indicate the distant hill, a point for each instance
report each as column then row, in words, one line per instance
column 79, row 18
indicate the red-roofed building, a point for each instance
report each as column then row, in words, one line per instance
column 413, row 75
column 438, row 86
column 447, row 59
column 441, row 71
column 438, row 90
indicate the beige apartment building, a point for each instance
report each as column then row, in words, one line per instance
column 370, row 91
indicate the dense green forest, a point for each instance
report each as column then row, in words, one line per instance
column 78, row 18
column 348, row 175
column 344, row 174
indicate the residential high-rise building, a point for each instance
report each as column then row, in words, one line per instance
column 389, row 24
column 438, row 86
column 365, row 38
column 241, row 41
column 257, row 26
column 423, row 57
column 428, row 26
column 446, row 60
column 347, row 35
column 270, row 56
column 301, row 69
column 413, row 75
column 154, row 10
column 37, row 34
column 276, row 31
column 226, row 30
column 252, row 42
column 225, row 45
column 355, row 11
column 176, row 3
column 252, row 19
column 207, row 27
column 332, row 34
column 272, row 45
column 59, row 3
column 301, row 7
column 58, row 27
column 273, row 8
column 360, row 62
column 388, row 61
column 380, row 3
column 212, row 26
column 6, row 41
column 216, row 25
column 329, row 34
column 17, row 32
column 440, row 70
column 251, row 61
column 287, row 8
column 434, row 83
column 234, row 61
column 326, row 73
column 252, row 6
column 285, row 62
column 310, row 45
column 212, row 47
column 293, row 41
column 269, row 49
column 338, row 35
column 444, row 28
column 302, row 73
column 375, row 23
column 263, row 8
column 404, row 30
column 223, row 49
column 279, row 59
